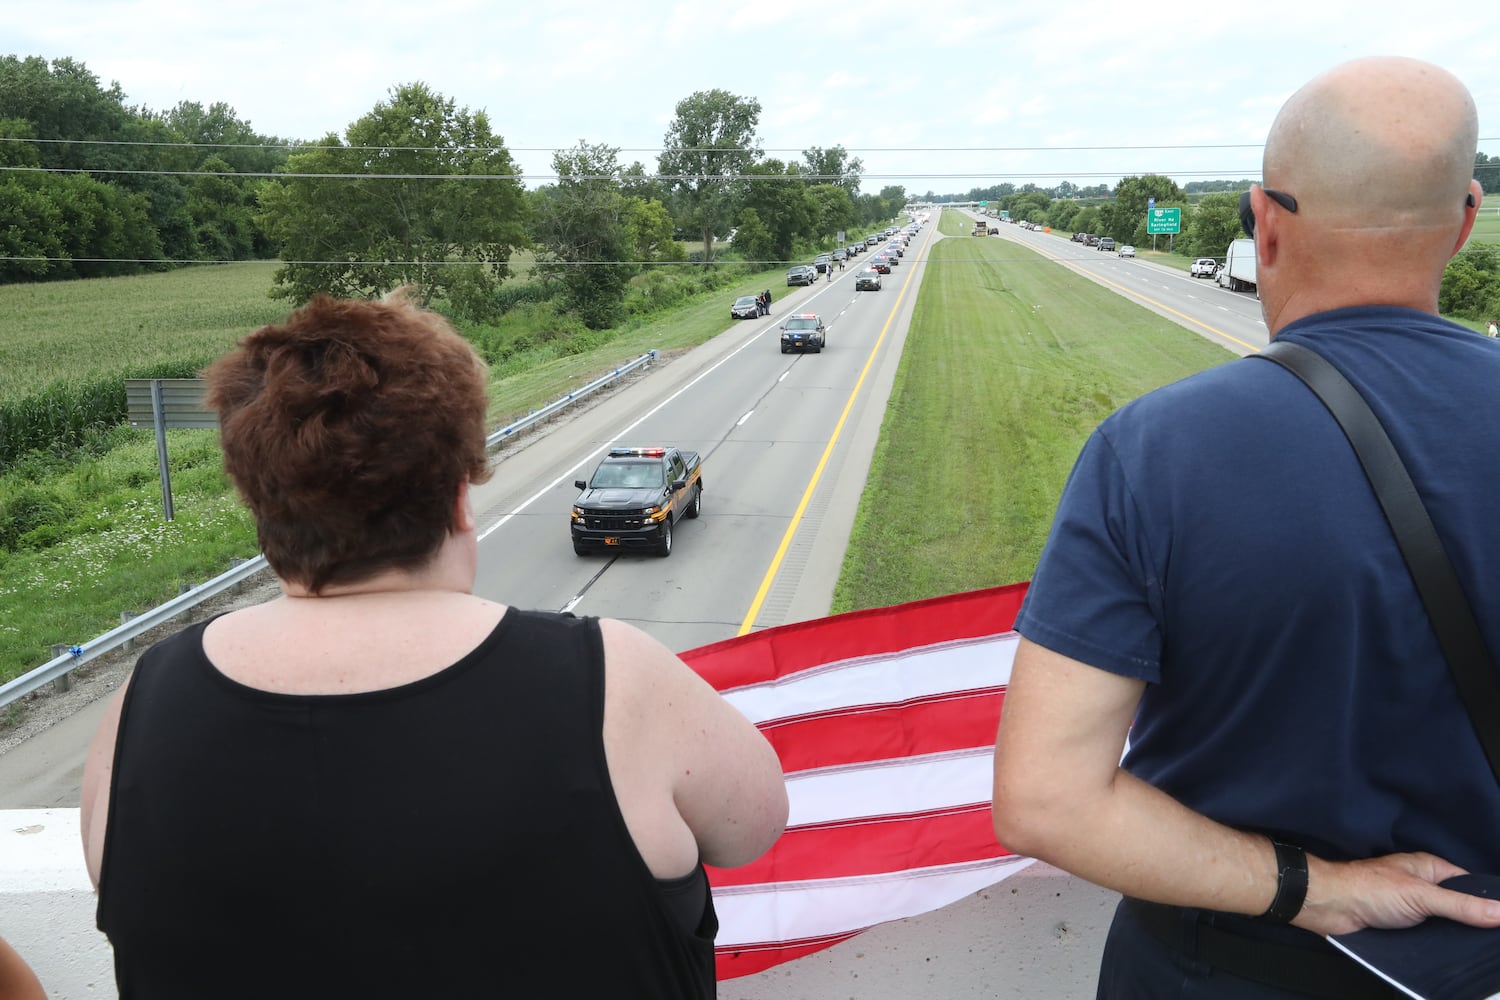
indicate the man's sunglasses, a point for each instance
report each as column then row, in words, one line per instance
column 1286, row 201
column 1247, row 217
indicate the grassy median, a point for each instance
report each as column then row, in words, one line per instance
column 1009, row 363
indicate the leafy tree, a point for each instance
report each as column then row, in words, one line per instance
column 419, row 185
column 1087, row 220
column 834, row 166
column 63, row 100
column 636, row 183
column 30, row 227
column 1213, row 224
column 752, row 239
column 581, row 224
column 18, row 153
column 218, row 133
column 1123, row 216
column 834, row 207
column 783, row 205
column 894, row 197
column 1487, row 172
column 709, row 144
column 649, row 227
column 223, row 215
column 1061, row 214
column 1471, row 283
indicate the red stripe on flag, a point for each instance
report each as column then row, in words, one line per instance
column 876, row 845
column 733, row 961
column 786, row 649
column 937, row 723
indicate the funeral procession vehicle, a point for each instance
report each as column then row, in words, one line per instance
column 803, row 332
column 634, row 498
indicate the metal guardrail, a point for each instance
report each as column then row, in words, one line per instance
column 504, row 433
column 59, row 667
column 76, row 656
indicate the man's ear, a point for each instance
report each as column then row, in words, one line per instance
column 1471, row 212
column 1267, row 241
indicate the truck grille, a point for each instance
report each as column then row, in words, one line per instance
column 632, row 520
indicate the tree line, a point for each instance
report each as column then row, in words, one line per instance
column 422, row 191
column 418, row 191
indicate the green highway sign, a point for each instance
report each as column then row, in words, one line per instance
column 984, row 204
column 1164, row 220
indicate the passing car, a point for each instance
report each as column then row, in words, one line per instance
column 881, row 263
column 867, row 280
column 1204, row 267
column 745, row 307
column 1106, row 243
column 802, row 274
column 803, row 332
column 1127, row 251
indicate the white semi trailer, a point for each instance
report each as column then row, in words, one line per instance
column 1238, row 272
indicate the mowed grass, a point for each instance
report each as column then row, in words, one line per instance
column 1487, row 222
column 1010, row 362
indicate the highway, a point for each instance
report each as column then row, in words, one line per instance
column 785, row 440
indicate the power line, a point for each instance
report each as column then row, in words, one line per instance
column 836, row 178
column 300, row 147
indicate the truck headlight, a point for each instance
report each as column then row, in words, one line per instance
column 578, row 513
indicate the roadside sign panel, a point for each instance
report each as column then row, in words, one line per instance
column 1164, row 220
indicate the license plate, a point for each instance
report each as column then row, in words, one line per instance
column 611, row 541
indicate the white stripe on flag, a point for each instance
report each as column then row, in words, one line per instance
column 792, row 911
column 891, row 787
column 893, row 677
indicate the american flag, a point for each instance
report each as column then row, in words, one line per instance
column 884, row 721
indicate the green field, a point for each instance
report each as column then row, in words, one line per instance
column 1487, row 223
column 69, row 329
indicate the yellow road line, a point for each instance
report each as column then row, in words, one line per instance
column 791, row 529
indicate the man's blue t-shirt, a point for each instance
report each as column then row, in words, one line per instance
column 1219, row 540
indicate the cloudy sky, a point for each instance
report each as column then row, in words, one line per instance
column 939, row 95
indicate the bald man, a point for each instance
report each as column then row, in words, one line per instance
column 1220, row 584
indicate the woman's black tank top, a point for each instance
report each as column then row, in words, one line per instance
column 453, row 837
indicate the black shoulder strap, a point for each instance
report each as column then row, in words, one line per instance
column 1442, row 595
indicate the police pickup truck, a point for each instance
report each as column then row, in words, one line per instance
column 634, row 498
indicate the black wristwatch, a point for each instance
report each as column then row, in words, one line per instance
column 1291, row 884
